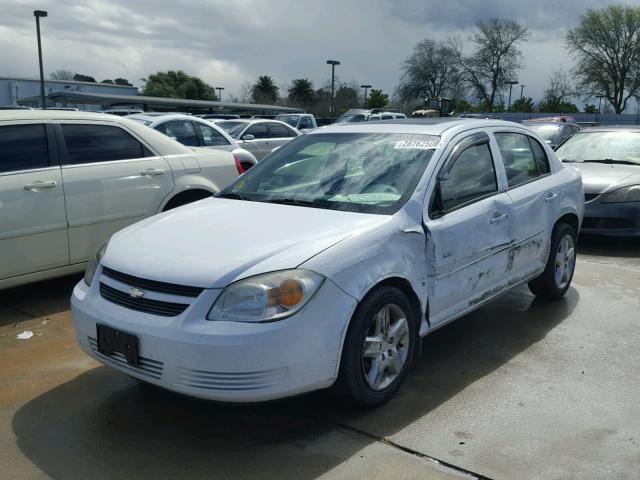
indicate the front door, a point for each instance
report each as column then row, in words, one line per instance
column 33, row 224
column 468, row 222
column 111, row 180
column 259, row 146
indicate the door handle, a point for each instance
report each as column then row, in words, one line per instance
column 550, row 197
column 498, row 219
column 35, row 186
column 149, row 172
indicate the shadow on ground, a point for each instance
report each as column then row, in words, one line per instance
column 39, row 299
column 625, row 247
column 103, row 425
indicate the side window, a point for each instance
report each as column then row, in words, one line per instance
column 387, row 117
column 542, row 161
column 181, row 131
column 518, row 158
column 23, row 147
column 258, row 130
column 280, row 131
column 471, row 177
column 305, row 122
column 210, row 136
column 87, row 143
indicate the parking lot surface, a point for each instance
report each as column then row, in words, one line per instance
column 518, row 389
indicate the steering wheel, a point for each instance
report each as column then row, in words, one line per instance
column 381, row 188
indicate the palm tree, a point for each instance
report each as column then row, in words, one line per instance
column 301, row 93
column 265, row 90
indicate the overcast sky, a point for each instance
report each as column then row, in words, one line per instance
column 229, row 42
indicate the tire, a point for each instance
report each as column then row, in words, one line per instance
column 392, row 356
column 186, row 197
column 554, row 282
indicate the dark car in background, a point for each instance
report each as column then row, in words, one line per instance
column 554, row 133
column 609, row 160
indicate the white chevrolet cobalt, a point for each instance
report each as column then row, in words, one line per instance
column 328, row 261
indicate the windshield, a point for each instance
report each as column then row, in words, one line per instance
column 360, row 172
column 549, row 133
column 351, row 118
column 232, row 128
column 593, row 146
column 291, row 120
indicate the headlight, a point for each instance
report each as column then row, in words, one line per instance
column 623, row 195
column 94, row 262
column 267, row 297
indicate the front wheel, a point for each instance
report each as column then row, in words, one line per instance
column 554, row 282
column 378, row 348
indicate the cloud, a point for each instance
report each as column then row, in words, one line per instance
column 229, row 43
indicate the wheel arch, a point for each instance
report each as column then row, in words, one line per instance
column 187, row 195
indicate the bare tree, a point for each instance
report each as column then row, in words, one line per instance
column 607, row 47
column 496, row 58
column 430, row 71
column 558, row 94
column 62, row 75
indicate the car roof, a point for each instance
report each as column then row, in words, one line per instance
column 155, row 116
column 530, row 123
column 6, row 115
column 611, row 128
column 428, row 126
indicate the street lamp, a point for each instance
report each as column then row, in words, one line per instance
column 600, row 97
column 521, row 90
column 511, row 83
column 219, row 93
column 40, row 14
column 366, row 87
column 333, row 64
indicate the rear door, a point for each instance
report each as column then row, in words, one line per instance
column 111, row 180
column 181, row 131
column 533, row 194
column 468, row 222
column 33, row 223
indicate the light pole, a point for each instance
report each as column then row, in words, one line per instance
column 333, row 64
column 219, row 93
column 366, row 87
column 511, row 83
column 599, row 97
column 40, row 14
column 521, row 90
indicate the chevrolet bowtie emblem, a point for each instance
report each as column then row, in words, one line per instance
column 136, row 292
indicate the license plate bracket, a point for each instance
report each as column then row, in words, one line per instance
column 111, row 340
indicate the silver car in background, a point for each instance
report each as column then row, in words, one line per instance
column 259, row 136
column 196, row 133
column 553, row 133
column 609, row 160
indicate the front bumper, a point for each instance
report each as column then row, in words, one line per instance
column 611, row 219
column 226, row 361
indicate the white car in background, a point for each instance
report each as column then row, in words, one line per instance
column 328, row 261
column 195, row 132
column 69, row 180
column 259, row 136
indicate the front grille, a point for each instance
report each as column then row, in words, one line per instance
column 600, row 222
column 146, row 366
column 590, row 196
column 232, row 381
column 145, row 284
column 155, row 307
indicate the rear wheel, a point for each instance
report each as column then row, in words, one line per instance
column 378, row 348
column 556, row 278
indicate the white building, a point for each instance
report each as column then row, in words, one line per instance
column 13, row 89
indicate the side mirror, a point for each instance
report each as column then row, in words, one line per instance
column 247, row 137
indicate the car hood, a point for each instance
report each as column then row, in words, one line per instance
column 213, row 242
column 600, row 177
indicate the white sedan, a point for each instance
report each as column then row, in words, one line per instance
column 69, row 180
column 329, row 260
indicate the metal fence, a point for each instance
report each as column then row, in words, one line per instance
column 593, row 118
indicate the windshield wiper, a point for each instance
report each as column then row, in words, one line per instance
column 611, row 161
column 297, row 202
column 233, row 195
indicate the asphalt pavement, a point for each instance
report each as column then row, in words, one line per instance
column 519, row 389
